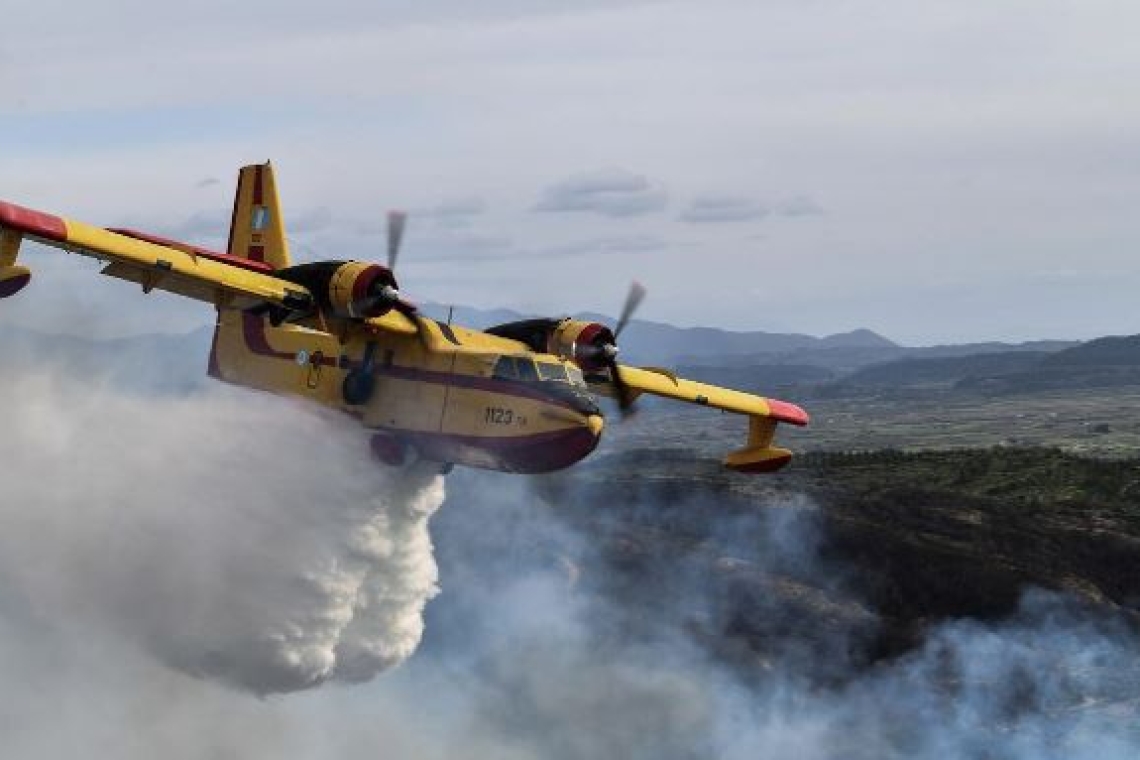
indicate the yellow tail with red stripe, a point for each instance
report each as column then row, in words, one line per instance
column 257, row 230
column 257, row 233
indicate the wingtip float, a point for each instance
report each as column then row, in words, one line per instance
column 517, row 397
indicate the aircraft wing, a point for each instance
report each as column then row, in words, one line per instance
column 225, row 281
column 661, row 382
column 758, row 455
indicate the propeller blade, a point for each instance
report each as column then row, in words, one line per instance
column 397, row 220
column 632, row 301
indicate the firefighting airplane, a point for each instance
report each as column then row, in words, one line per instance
column 516, row 397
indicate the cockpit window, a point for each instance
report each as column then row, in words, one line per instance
column 505, row 369
column 514, row 368
column 552, row 371
column 525, row 369
column 522, row 368
column 576, row 377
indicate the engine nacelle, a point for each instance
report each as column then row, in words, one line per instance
column 347, row 289
column 586, row 343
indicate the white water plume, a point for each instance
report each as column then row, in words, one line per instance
column 235, row 535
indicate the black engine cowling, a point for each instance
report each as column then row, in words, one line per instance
column 586, row 343
column 346, row 289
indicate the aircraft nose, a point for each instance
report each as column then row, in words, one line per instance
column 595, row 423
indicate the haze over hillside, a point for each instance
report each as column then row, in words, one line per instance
column 649, row 342
column 854, row 363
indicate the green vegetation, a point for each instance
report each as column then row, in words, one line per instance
column 1013, row 477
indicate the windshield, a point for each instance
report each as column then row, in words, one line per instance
column 515, row 368
column 551, row 371
column 522, row 368
column 576, row 377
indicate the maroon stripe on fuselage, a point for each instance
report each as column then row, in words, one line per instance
column 256, row 340
column 32, row 222
column 257, row 185
column 526, row 454
column 473, row 382
column 257, row 253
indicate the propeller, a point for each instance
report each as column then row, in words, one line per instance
column 632, row 300
column 610, row 351
column 397, row 220
column 390, row 293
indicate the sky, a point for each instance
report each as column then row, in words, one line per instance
column 936, row 172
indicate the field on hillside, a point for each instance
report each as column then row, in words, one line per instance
column 1102, row 423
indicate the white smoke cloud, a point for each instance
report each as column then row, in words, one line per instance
column 156, row 552
column 235, row 535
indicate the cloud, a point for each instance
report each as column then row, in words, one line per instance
column 492, row 248
column 737, row 208
column 723, row 208
column 452, row 213
column 207, row 224
column 609, row 192
column 608, row 246
column 798, row 205
column 207, row 182
column 531, row 92
column 465, row 246
column 467, row 206
column 308, row 220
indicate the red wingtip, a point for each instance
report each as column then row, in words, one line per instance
column 785, row 412
column 35, row 223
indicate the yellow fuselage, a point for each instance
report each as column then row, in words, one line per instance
column 443, row 392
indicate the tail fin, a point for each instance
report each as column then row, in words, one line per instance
column 257, row 230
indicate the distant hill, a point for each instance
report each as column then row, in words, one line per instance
column 762, row 379
column 861, row 338
column 645, row 342
column 1102, row 363
column 144, row 363
column 942, row 371
column 1114, row 351
column 794, row 365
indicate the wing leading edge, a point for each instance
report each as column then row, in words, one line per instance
column 156, row 265
column 758, row 455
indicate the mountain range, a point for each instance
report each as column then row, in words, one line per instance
column 844, row 364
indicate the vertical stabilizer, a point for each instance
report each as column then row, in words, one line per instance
column 257, row 230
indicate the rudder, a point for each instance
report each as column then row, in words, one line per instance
column 257, row 233
column 257, row 229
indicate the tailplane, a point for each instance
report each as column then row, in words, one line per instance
column 257, row 230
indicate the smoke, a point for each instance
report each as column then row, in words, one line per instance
column 736, row 638
column 165, row 559
column 234, row 535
